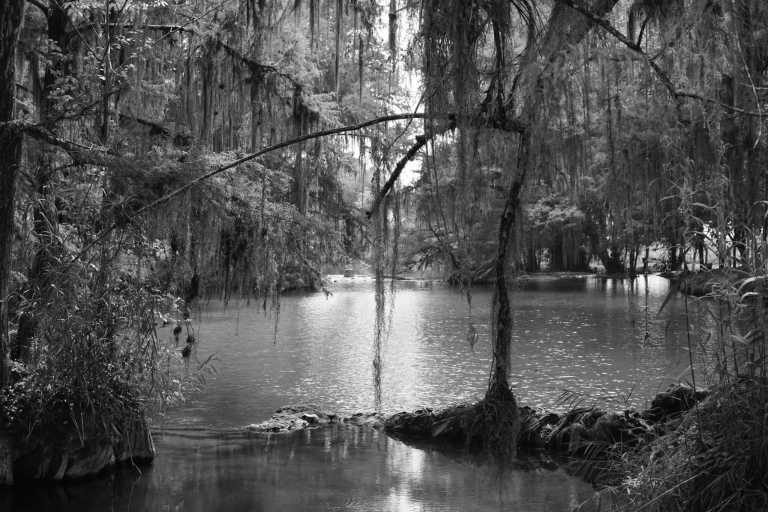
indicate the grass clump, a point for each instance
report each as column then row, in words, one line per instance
column 714, row 457
column 715, row 460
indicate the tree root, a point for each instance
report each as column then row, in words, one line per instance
column 495, row 427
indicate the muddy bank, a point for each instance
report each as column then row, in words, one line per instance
column 73, row 459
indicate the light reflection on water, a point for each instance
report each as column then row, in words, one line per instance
column 586, row 335
column 325, row 469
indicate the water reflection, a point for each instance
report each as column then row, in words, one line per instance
column 327, row 469
column 604, row 340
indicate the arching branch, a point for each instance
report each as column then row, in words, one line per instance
column 421, row 140
column 660, row 73
column 167, row 197
column 39, row 5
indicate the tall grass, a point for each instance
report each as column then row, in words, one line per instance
column 715, row 457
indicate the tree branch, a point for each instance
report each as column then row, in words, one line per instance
column 254, row 66
column 421, row 141
column 39, row 5
column 735, row 110
column 660, row 73
column 606, row 25
column 155, row 128
column 80, row 153
column 323, row 133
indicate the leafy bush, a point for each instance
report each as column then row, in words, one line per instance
column 98, row 364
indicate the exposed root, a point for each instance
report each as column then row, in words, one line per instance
column 495, row 427
column 491, row 425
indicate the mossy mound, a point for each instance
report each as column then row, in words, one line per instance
column 584, row 432
column 293, row 418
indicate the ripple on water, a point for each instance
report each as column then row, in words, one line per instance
column 584, row 335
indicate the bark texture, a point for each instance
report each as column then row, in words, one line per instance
column 11, row 14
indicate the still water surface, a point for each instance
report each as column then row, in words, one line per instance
column 602, row 340
column 584, row 335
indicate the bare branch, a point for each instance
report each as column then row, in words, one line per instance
column 80, row 153
column 421, row 141
column 660, row 73
column 323, row 133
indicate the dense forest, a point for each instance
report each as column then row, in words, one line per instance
column 154, row 152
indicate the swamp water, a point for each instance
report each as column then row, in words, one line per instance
column 601, row 340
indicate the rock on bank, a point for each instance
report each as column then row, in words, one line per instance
column 74, row 459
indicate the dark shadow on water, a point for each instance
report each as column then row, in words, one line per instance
column 334, row 468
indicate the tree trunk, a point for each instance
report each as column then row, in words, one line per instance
column 613, row 261
column 11, row 15
column 498, row 387
column 45, row 212
column 499, row 409
column 632, row 270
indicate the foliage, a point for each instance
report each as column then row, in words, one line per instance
column 100, row 365
column 130, row 103
column 715, row 460
column 713, row 457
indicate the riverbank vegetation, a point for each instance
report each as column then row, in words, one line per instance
column 157, row 152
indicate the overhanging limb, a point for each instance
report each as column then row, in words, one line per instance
column 218, row 170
